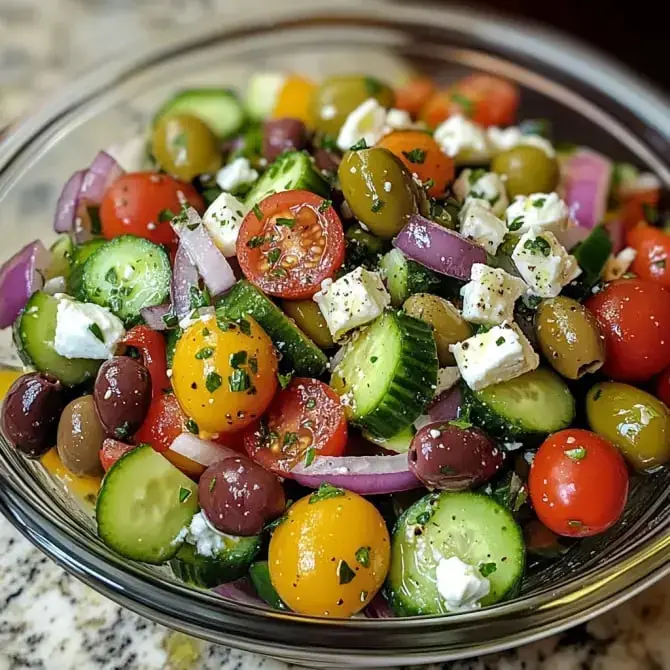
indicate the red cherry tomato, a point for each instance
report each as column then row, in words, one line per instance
column 634, row 318
column 151, row 346
column 134, row 202
column 290, row 243
column 163, row 423
column 578, row 483
column 634, row 206
column 653, row 253
column 414, row 94
column 663, row 387
column 111, row 451
column 305, row 420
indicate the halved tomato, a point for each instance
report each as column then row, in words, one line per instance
column 305, row 420
column 290, row 243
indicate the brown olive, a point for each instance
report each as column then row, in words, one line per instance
column 31, row 411
column 80, row 437
column 122, row 394
column 280, row 135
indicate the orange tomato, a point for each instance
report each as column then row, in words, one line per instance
column 653, row 253
column 422, row 155
column 414, row 94
column 634, row 206
column 295, row 99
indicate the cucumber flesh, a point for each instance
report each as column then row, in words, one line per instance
column 125, row 275
column 526, row 408
column 34, row 335
column 298, row 351
column 292, row 171
column 405, row 277
column 144, row 506
column 470, row 526
column 219, row 108
column 388, row 373
column 80, row 255
column 260, row 578
column 62, row 251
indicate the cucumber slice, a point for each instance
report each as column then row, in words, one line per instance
column 144, row 505
column 34, row 333
column 472, row 527
column 125, row 275
column 260, row 578
column 526, row 408
column 388, row 373
column 231, row 563
column 80, row 255
column 400, row 443
column 292, row 171
column 405, row 277
column 299, row 353
column 62, row 251
column 262, row 92
column 219, row 108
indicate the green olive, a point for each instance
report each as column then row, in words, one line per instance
column 80, row 437
column 528, row 170
column 448, row 325
column 569, row 337
column 309, row 319
column 632, row 419
column 185, row 147
column 379, row 190
column 338, row 96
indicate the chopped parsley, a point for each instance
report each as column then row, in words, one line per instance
column 205, row 352
column 166, row 215
column 415, row 155
column 309, row 456
column 486, row 569
column 238, row 358
column 515, row 223
column 475, row 175
column 212, row 484
column 192, row 427
column 184, row 494
column 324, row 492
column 460, row 423
column 282, row 221
column 258, row 212
column 245, row 326
column 576, row 454
column 538, row 246
column 290, row 438
column 95, row 329
column 239, row 381
column 256, row 241
column 311, row 403
column 274, row 255
column 198, row 297
column 344, row 573
column 170, row 320
column 205, row 332
column 377, row 204
column 363, row 556
column 253, row 364
column 361, row 144
column 500, row 341
column 325, row 205
column 574, row 523
column 373, row 359
column 464, row 103
column 423, row 518
column 213, row 381
column 284, row 380
column 539, row 203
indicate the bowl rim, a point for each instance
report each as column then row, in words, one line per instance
column 577, row 600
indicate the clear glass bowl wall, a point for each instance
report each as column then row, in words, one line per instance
column 587, row 100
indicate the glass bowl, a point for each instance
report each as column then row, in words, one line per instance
column 587, row 98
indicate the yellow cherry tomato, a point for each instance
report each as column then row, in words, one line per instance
column 224, row 378
column 295, row 99
column 330, row 556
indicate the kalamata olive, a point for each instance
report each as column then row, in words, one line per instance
column 239, row 497
column 122, row 394
column 80, row 437
column 447, row 457
column 280, row 135
column 326, row 160
column 31, row 411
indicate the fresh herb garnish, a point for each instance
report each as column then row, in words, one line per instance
column 515, row 223
column 253, row 364
column 464, row 103
column 205, row 332
column 660, row 263
column 258, row 212
column 256, row 241
column 486, row 569
column 311, row 403
column 325, row 205
column 237, row 359
column 574, row 523
column 539, row 203
column 95, row 329
column 274, row 255
column 184, row 494
column 538, row 246
column 415, row 155
column 213, row 381
column 344, row 573
column 576, row 454
column 324, row 492
column 361, row 144
column 198, row 297
column 282, row 221
column 460, row 423
column 650, row 212
column 212, row 484
column 309, row 456
column 475, row 175
column 377, row 204
column 363, row 556
column 170, row 320
column 205, row 352
column 373, row 359
column 239, row 381
column 192, row 426
column 500, row 341
column 290, row 438
column 166, row 215
column 245, row 326
column 284, row 379
column 423, row 518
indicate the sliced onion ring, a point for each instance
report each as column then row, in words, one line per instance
column 447, row 405
column 154, row 316
column 202, row 452
column 241, row 591
column 102, row 173
column 66, row 207
column 367, row 475
column 184, row 279
column 378, row 608
column 438, row 248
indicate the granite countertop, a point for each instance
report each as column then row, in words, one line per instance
column 50, row 620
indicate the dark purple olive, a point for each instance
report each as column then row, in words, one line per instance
column 326, row 160
column 447, row 457
column 280, row 135
column 239, row 497
column 31, row 411
column 122, row 394
column 80, row 437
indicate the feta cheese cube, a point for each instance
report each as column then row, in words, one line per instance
column 618, row 265
column 544, row 264
column 498, row 355
column 463, row 140
column 398, row 119
column 489, row 296
column 461, row 585
column 236, row 174
column 223, row 220
column 352, row 301
column 537, row 212
column 478, row 223
column 85, row 330
column 446, row 378
column 482, row 185
column 366, row 122
column 504, row 139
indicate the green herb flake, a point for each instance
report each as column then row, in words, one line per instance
column 237, row 359
column 309, row 456
column 253, row 364
column 274, row 255
column 515, row 223
column 538, row 246
column 290, row 438
column 284, row 380
column 423, row 518
column 213, row 381
column 464, row 103
column 245, row 326
column 361, row 144
column 277, row 522
column 324, row 492
column 574, row 523
column 282, row 221
column 184, row 494
column 373, row 359
column 539, row 203
column 205, row 352
column 95, row 329
column 377, row 205
column 205, row 332
column 363, row 556
column 212, row 484
column 239, row 381
column 344, row 573
column 576, row 454
column 500, row 341
column 447, row 470
column 198, row 297
column 373, row 86
column 224, row 323
column 416, row 155
column 325, row 206
column 311, row 403
column 192, row 427
column 256, row 241
column 170, row 320
column 486, row 569
column 460, row 423
column 258, row 212
column 166, row 215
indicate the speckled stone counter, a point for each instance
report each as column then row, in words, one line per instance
column 48, row 619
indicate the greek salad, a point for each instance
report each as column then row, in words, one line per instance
column 343, row 347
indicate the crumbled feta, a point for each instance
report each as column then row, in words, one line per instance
column 537, row 212
column 480, row 224
column 387, row 186
column 500, row 354
column 207, row 540
column 490, row 295
column 85, row 330
column 504, row 139
column 223, row 220
column 446, row 378
column 352, row 301
column 460, row 584
column 236, row 174
column 544, row 264
column 366, row 122
column 462, row 139
column 482, row 185
column 618, row 265
column 398, row 119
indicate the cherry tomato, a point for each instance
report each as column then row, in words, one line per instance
column 663, row 387
column 414, row 94
column 578, row 483
column 164, row 422
column 151, row 346
column 134, row 202
column 634, row 318
column 306, row 419
column 653, row 253
column 111, row 451
column 634, row 206
column 290, row 243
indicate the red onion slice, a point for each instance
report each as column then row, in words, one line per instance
column 211, row 263
column 586, row 179
column 20, row 277
column 438, row 248
column 379, row 608
column 447, row 405
column 367, row 475
column 104, row 171
column 66, row 207
column 203, row 452
column 241, row 591
column 154, row 316
column 184, row 278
